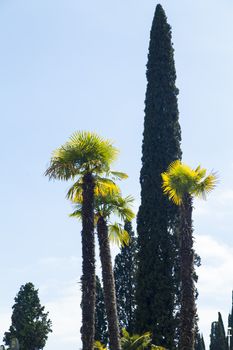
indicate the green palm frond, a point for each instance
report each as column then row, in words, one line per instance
column 84, row 152
column 135, row 341
column 180, row 179
column 105, row 186
column 206, row 186
column 60, row 169
column 75, row 192
column 117, row 175
column 122, row 208
column 99, row 346
column 118, row 235
column 77, row 213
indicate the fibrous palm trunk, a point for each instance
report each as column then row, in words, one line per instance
column 109, row 285
column 88, row 265
column 188, row 307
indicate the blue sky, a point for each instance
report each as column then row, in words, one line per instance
column 73, row 65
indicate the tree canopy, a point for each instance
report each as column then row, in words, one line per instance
column 29, row 322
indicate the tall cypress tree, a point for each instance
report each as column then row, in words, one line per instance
column 101, row 328
column 157, row 218
column 218, row 340
column 125, row 281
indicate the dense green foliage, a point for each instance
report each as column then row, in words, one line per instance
column 101, row 328
column 199, row 342
column 230, row 324
column 29, row 322
column 218, row 340
column 125, row 281
column 137, row 342
column 133, row 342
column 157, row 218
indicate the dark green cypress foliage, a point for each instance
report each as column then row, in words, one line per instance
column 125, row 281
column 230, row 325
column 30, row 323
column 218, row 340
column 199, row 342
column 101, row 331
column 157, row 218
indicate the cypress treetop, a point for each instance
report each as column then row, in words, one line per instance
column 218, row 340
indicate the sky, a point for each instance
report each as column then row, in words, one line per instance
column 68, row 65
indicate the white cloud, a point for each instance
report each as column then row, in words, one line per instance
column 65, row 313
column 215, row 281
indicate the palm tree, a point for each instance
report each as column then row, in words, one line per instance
column 85, row 158
column 106, row 205
column 181, row 184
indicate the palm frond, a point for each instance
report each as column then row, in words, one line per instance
column 83, row 152
column 60, row 169
column 135, row 341
column 105, row 186
column 99, row 346
column 206, row 186
column 118, row 235
column 117, row 175
column 180, row 179
column 77, row 214
column 75, row 192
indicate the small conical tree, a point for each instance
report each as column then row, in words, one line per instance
column 199, row 342
column 157, row 218
column 218, row 339
column 230, row 325
column 29, row 322
column 181, row 184
column 125, row 270
column 101, row 327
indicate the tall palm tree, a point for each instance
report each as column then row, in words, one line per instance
column 106, row 205
column 181, row 184
column 85, row 158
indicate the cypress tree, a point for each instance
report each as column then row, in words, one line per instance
column 157, row 218
column 218, row 340
column 101, row 331
column 199, row 342
column 29, row 322
column 125, row 281
column 230, row 325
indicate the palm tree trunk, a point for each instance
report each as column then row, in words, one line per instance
column 188, row 307
column 88, row 264
column 109, row 285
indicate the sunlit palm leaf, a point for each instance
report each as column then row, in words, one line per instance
column 77, row 213
column 99, row 346
column 180, row 179
column 117, row 175
column 84, row 152
column 105, row 186
column 75, row 192
column 118, row 235
column 135, row 341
